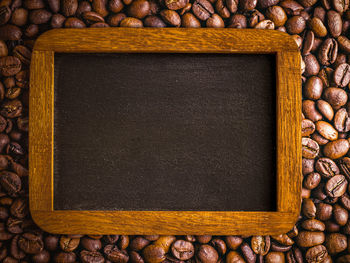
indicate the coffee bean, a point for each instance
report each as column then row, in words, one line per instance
column 326, row 167
column 64, row 257
column 237, row 21
column 39, row 16
column 326, row 130
column 68, row 244
column 234, row 257
column 310, row 239
column 308, row 208
column 30, row 243
column 202, row 9
column 295, row 25
column 274, row 257
column 335, row 96
column 317, row 26
column 344, row 44
column 313, row 225
column 310, row 111
column 316, row 254
column 328, row 51
column 182, row 250
column 73, row 22
column 91, row 257
column 42, row 257
column 336, row 149
column 189, row 20
column 207, row 254
column 335, row 23
column 335, row 243
column 325, row 109
column 342, row 75
column 336, row 186
column 171, row 17
column 324, row 211
column 307, row 127
column 139, row 8
column 10, row 182
column 5, row 14
column 100, row 6
column 310, row 148
column 232, row 5
column 340, row 5
column 277, row 15
column 312, row 66
column 340, row 215
column 260, row 244
column 9, row 66
column 312, row 180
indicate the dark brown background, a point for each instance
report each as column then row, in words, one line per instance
column 164, row 132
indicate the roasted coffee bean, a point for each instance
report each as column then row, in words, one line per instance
column 91, row 257
column 307, row 127
column 73, row 22
column 295, row 25
column 91, row 244
column 152, row 253
column 260, row 244
column 277, row 15
column 336, row 186
column 140, row 8
column 189, row 20
column 274, row 257
column 175, row 4
column 114, row 254
column 237, row 21
column 207, row 254
column 182, row 250
column 326, row 130
column 170, row 17
column 100, row 6
column 313, row 225
column 232, row 5
column 310, row 239
column 30, row 243
column 202, row 9
column 340, row 215
column 9, row 66
column 39, row 16
column 10, row 182
column 313, row 88
column 10, row 32
column 234, row 257
column 310, row 148
column 115, row 20
column 68, row 244
column 308, row 208
column 328, row 52
column 335, row 96
column 316, row 254
column 215, row 21
column 326, row 167
column 5, row 14
column 312, row 67
column 336, row 149
column 342, row 75
column 336, row 243
column 340, row 5
column 64, row 257
column 335, row 23
column 325, row 109
column 312, row 180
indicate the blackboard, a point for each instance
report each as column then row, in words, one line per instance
column 165, row 132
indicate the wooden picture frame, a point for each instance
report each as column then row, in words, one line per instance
column 170, row 40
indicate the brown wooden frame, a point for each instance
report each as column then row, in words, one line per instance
column 169, row 40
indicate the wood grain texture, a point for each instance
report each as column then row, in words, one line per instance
column 288, row 131
column 41, row 131
column 164, row 222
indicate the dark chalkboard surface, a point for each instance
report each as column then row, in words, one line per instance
column 164, row 132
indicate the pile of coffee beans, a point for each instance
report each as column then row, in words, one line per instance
column 321, row 31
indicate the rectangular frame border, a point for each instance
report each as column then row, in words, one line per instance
column 167, row 40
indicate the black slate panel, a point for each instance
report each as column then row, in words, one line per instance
column 165, row 132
